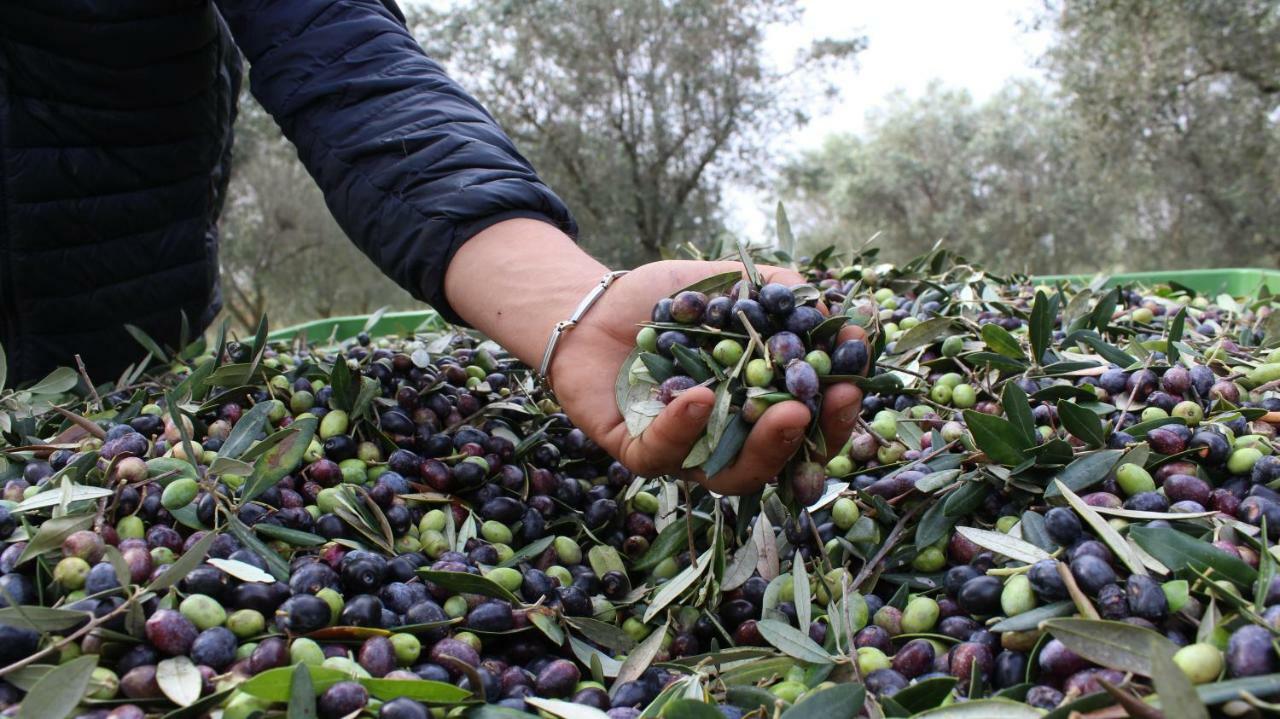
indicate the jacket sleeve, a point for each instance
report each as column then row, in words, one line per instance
column 410, row 164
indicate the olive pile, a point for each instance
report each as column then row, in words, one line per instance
column 1057, row 499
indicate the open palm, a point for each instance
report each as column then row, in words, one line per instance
column 589, row 358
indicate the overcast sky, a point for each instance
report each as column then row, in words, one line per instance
column 974, row 44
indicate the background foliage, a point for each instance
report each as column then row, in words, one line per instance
column 1155, row 143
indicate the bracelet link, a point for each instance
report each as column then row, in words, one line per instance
column 564, row 326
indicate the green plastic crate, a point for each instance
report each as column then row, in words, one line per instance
column 341, row 328
column 1236, row 282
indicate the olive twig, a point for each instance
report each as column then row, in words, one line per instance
column 93, row 391
column 869, row 566
column 1136, row 707
column 1083, row 605
column 58, row 645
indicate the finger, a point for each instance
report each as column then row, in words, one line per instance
column 840, row 406
column 665, row 443
column 851, row 332
column 781, row 275
column 774, row 438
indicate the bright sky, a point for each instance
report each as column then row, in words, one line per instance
column 974, row 44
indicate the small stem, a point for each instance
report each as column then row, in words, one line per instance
column 1081, row 601
column 58, row 645
column 84, row 374
column 1135, row 706
column 688, row 521
column 884, row 550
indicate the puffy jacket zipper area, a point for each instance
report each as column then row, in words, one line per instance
column 8, row 310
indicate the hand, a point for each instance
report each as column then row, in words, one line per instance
column 515, row 280
column 589, row 357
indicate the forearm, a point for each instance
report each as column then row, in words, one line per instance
column 515, row 280
column 411, row 165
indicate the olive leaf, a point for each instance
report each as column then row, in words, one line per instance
column 419, row 690
column 276, row 684
column 302, row 694
column 1104, row 530
column 1107, row 351
column 641, row 657
column 715, row 284
column 602, row 633
column 1018, row 409
column 180, row 680
column 1031, row 525
column 690, row 709
column 1040, row 327
column 51, row 534
column 719, row 417
column 468, row 584
column 1029, row 620
column 923, row 334
column 1077, row 308
column 786, row 239
column 997, row 437
column 281, row 459
column 1176, row 328
column 241, row 570
column 699, row 453
column 983, row 709
column 692, row 363
column 677, row 585
column 292, row 537
column 792, row 642
column 1174, row 687
column 1086, row 471
column 59, row 691
column 997, row 361
column 1178, row 551
column 752, row 273
column 590, row 656
column 276, row 564
column 1083, row 424
column 923, row 695
column 144, row 339
column 800, row 584
column 189, row 560
column 660, row 368
column 1003, row 544
column 934, row 525
column 999, row 340
column 1100, row 318
column 1115, row 645
column 640, row 415
column 731, row 442
column 68, row 493
column 964, row 500
column 41, row 619
column 60, row 380
column 566, row 710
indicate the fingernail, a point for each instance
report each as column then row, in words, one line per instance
column 791, row 434
column 698, row 411
column 846, row 416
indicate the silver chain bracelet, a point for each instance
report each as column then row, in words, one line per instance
column 565, row 325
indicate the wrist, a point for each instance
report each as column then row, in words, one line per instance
column 515, row 280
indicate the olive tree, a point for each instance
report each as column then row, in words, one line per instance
column 637, row 112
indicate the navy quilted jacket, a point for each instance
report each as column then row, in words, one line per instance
column 115, row 142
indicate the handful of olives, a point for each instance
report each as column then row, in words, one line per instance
column 755, row 344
